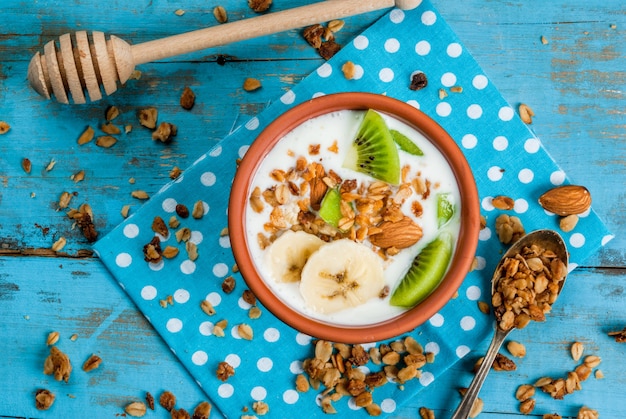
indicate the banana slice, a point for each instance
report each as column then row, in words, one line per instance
column 341, row 274
column 288, row 254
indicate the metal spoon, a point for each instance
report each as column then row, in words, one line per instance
column 547, row 239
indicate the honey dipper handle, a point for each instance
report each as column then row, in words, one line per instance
column 253, row 27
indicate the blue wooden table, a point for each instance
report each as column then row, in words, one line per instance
column 565, row 59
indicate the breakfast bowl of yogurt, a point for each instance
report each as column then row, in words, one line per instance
column 354, row 217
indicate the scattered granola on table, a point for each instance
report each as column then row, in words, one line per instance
column 4, row 127
column 187, row 98
column 167, row 400
column 224, row 371
column 135, row 409
column 58, row 364
column 44, row 399
column 619, row 336
column 92, row 363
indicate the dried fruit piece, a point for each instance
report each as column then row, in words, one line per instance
column 26, row 165
column 111, row 113
column 86, row 136
column 106, row 141
column 250, row 84
column 566, row 200
column 44, row 399
column 110, row 129
column 220, row 15
column 188, row 97
column 418, row 81
column 135, row 409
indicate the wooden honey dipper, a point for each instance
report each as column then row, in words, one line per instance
column 80, row 68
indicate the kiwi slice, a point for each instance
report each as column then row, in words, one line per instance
column 373, row 150
column 445, row 209
column 405, row 143
column 425, row 273
column 330, row 208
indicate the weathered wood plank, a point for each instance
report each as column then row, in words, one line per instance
column 79, row 297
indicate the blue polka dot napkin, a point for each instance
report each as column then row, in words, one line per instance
column 506, row 158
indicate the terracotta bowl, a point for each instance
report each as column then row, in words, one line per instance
column 465, row 247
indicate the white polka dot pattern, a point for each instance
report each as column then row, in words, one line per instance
column 504, row 155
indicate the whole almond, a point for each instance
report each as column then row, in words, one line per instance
column 399, row 234
column 566, row 200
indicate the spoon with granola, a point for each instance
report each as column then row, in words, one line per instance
column 525, row 284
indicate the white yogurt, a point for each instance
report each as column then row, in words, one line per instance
column 340, row 128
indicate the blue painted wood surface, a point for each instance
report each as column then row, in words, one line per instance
column 575, row 83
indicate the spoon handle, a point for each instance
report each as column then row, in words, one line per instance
column 462, row 412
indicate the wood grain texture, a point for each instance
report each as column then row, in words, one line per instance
column 575, row 83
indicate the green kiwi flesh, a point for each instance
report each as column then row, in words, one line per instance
column 445, row 209
column 373, row 151
column 405, row 143
column 425, row 273
column 330, row 208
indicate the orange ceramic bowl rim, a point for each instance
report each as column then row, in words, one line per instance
column 469, row 217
